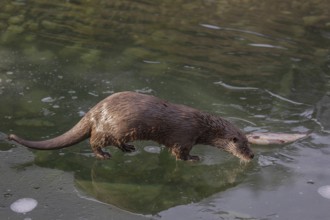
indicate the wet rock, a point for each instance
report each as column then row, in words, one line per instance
column 2, row 26
column 31, row 26
column 91, row 56
column 4, row 16
column 29, row 37
column 15, row 29
column 11, row 33
column 9, row 8
column 49, row 25
column 16, row 20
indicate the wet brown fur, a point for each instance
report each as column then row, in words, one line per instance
column 128, row 116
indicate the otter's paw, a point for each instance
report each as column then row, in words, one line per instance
column 189, row 158
column 101, row 154
column 193, row 158
column 127, row 148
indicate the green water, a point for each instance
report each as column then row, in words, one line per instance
column 265, row 65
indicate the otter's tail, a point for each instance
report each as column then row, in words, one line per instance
column 78, row 133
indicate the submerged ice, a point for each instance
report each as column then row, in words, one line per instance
column 324, row 191
column 24, row 205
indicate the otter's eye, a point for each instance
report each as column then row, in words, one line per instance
column 235, row 139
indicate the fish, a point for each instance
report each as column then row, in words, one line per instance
column 274, row 138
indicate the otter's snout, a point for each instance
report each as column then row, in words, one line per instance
column 246, row 153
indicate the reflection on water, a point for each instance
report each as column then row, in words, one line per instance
column 264, row 65
column 145, row 182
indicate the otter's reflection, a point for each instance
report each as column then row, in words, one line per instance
column 145, row 182
column 150, row 183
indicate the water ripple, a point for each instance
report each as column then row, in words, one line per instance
column 283, row 98
column 268, row 46
column 227, row 86
column 231, row 87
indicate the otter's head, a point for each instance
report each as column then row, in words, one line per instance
column 236, row 144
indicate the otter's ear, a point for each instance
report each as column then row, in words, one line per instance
column 235, row 139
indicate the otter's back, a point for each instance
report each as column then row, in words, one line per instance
column 128, row 114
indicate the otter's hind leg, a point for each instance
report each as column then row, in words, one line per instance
column 99, row 153
column 97, row 143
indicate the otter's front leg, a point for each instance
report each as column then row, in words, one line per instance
column 182, row 153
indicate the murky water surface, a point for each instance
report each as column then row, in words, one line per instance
column 263, row 65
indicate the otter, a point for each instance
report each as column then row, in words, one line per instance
column 124, row 117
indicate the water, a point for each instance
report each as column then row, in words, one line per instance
column 265, row 66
